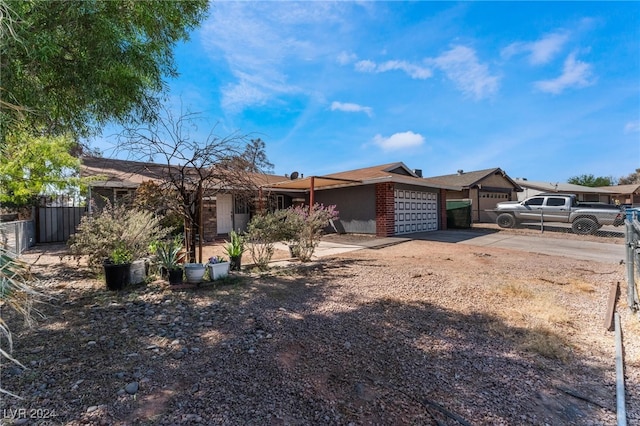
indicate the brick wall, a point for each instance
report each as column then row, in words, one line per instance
column 209, row 221
column 443, row 209
column 385, row 209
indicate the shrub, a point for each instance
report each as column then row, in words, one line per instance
column 304, row 227
column 116, row 227
column 235, row 247
column 17, row 291
column 263, row 232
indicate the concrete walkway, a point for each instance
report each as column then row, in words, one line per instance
column 577, row 249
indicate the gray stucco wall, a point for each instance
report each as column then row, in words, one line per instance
column 356, row 207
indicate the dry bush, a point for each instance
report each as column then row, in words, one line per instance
column 515, row 290
column 542, row 341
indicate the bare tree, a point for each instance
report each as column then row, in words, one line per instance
column 630, row 179
column 189, row 167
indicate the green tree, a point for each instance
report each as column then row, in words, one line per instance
column 630, row 179
column 34, row 165
column 591, row 180
column 72, row 66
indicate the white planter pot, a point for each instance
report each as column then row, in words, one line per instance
column 194, row 272
column 218, row 270
column 138, row 272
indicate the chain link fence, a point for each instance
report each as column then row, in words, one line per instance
column 632, row 243
column 595, row 219
column 17, row 236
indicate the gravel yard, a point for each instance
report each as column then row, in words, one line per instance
column 416, row 333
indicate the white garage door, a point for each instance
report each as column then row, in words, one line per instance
column 488, row 201
column 416, row 211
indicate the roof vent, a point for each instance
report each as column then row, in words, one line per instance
column 460, row 171
column 294, row 175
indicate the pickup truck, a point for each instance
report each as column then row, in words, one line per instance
column 584, row 219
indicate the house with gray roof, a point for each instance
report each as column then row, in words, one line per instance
column 589, row 194
column 483, row 188
column 628, row 195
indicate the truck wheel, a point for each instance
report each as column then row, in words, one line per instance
column 505, row 220
column 584, row 226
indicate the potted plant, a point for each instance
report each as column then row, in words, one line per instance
column 117, row 268
column 168, row 254
column 218, row 267
column 194, row 272
column 234, row 250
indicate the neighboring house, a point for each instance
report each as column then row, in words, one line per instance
column 583, row 193
column 484, row 188
column 628, row 195
column 117, row 180
column 384, row 200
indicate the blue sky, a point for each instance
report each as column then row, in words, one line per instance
column 544, row 90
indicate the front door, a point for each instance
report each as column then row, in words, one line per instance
column 224, row 215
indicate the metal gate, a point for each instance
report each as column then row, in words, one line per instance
column 17, row 236
column 57, row 218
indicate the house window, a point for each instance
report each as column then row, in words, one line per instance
column 280, row 202
column 241, row 206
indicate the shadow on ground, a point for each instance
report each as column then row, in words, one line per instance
column 280, row 349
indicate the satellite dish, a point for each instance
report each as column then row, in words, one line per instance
column 294, row 175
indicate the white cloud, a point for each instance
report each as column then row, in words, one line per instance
column 541, row 51
column 259, row 42
column 412, row 70
column 346, row 58
column 365, row 66
column 632, row 127
column 399, row 141
column 575, row 73
column 349, row 107
column 460, row 64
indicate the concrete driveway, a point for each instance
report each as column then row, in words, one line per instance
column 574, row 248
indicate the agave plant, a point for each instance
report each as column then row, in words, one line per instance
column 169, row 253
column 16, row 291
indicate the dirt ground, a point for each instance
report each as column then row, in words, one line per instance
column 415, row 333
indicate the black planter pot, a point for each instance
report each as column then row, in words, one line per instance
column 175, row 276
column 116, row 275
column 235, row 263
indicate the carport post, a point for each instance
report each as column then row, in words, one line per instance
column 311, row 192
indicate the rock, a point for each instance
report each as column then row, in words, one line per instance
column 177, row 355
column 132, row 388
column 15, row 371
column 92, row 409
